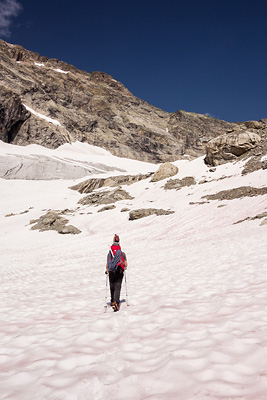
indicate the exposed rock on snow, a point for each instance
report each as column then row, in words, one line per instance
column 53, row 221
column 145, row 212
column 105, row 197
column 230, row 146
column 179, row 183
column 258, row 216
column 237, row 193
column 166, row 170
column 107, row 208
column 92, row 184
column 264, row 222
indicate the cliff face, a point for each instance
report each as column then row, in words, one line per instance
column 49, row 102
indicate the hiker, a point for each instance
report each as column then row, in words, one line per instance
column 116, row 264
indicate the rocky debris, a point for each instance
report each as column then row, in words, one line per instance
column 258, row 216
column 53, row 221
column 237, row 193
column 145, row 212
column 12, row 114
column 179, row 183
column 105, row 197
column 21, row 213
column 125, row 209
column 230, row 146
column 264, row 222
column 107, row 208
column 92, row 184
column 95, row 108
column 166, row 170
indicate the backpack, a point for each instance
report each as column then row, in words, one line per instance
column 115, row 259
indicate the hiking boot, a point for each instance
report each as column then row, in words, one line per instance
column 115, row 306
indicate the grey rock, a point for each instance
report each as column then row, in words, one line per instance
column 264, row 222
column 145, row 212
column 166, row 170
column 179, row 183
column 125, row 209
column 105, row 197
column 12, row 114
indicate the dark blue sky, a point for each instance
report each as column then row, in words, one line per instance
column 201, row 56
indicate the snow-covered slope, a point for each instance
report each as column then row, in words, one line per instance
column 197, row 320
column 70, row 161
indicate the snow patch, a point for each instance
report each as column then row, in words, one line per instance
column 61, row 71
column 196, row 282
column 48, row 119
column 39, row 64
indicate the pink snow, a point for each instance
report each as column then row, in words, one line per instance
column 196, row 326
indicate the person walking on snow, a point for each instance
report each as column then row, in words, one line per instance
column 115, row 267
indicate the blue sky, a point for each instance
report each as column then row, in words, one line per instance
column 203, row 56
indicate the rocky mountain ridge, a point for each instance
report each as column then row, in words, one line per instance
column 49, row 102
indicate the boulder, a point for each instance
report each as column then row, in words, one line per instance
column 145, row 212
column 230, row 146
column 166, row 170
column 105, row 197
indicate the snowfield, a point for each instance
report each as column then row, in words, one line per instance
column 196, row 324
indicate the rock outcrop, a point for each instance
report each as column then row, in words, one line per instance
column 105, row 197
column 230, row 146
column 146, row 212
column 52, row 220
column 166, row 170
column 92, row 184
column 54, row 103
column 179, row 183
column 237, row 193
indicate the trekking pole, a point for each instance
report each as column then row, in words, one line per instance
column 127, row 300
column 106, row 293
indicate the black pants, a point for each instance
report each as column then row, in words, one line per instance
column 115, row 281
